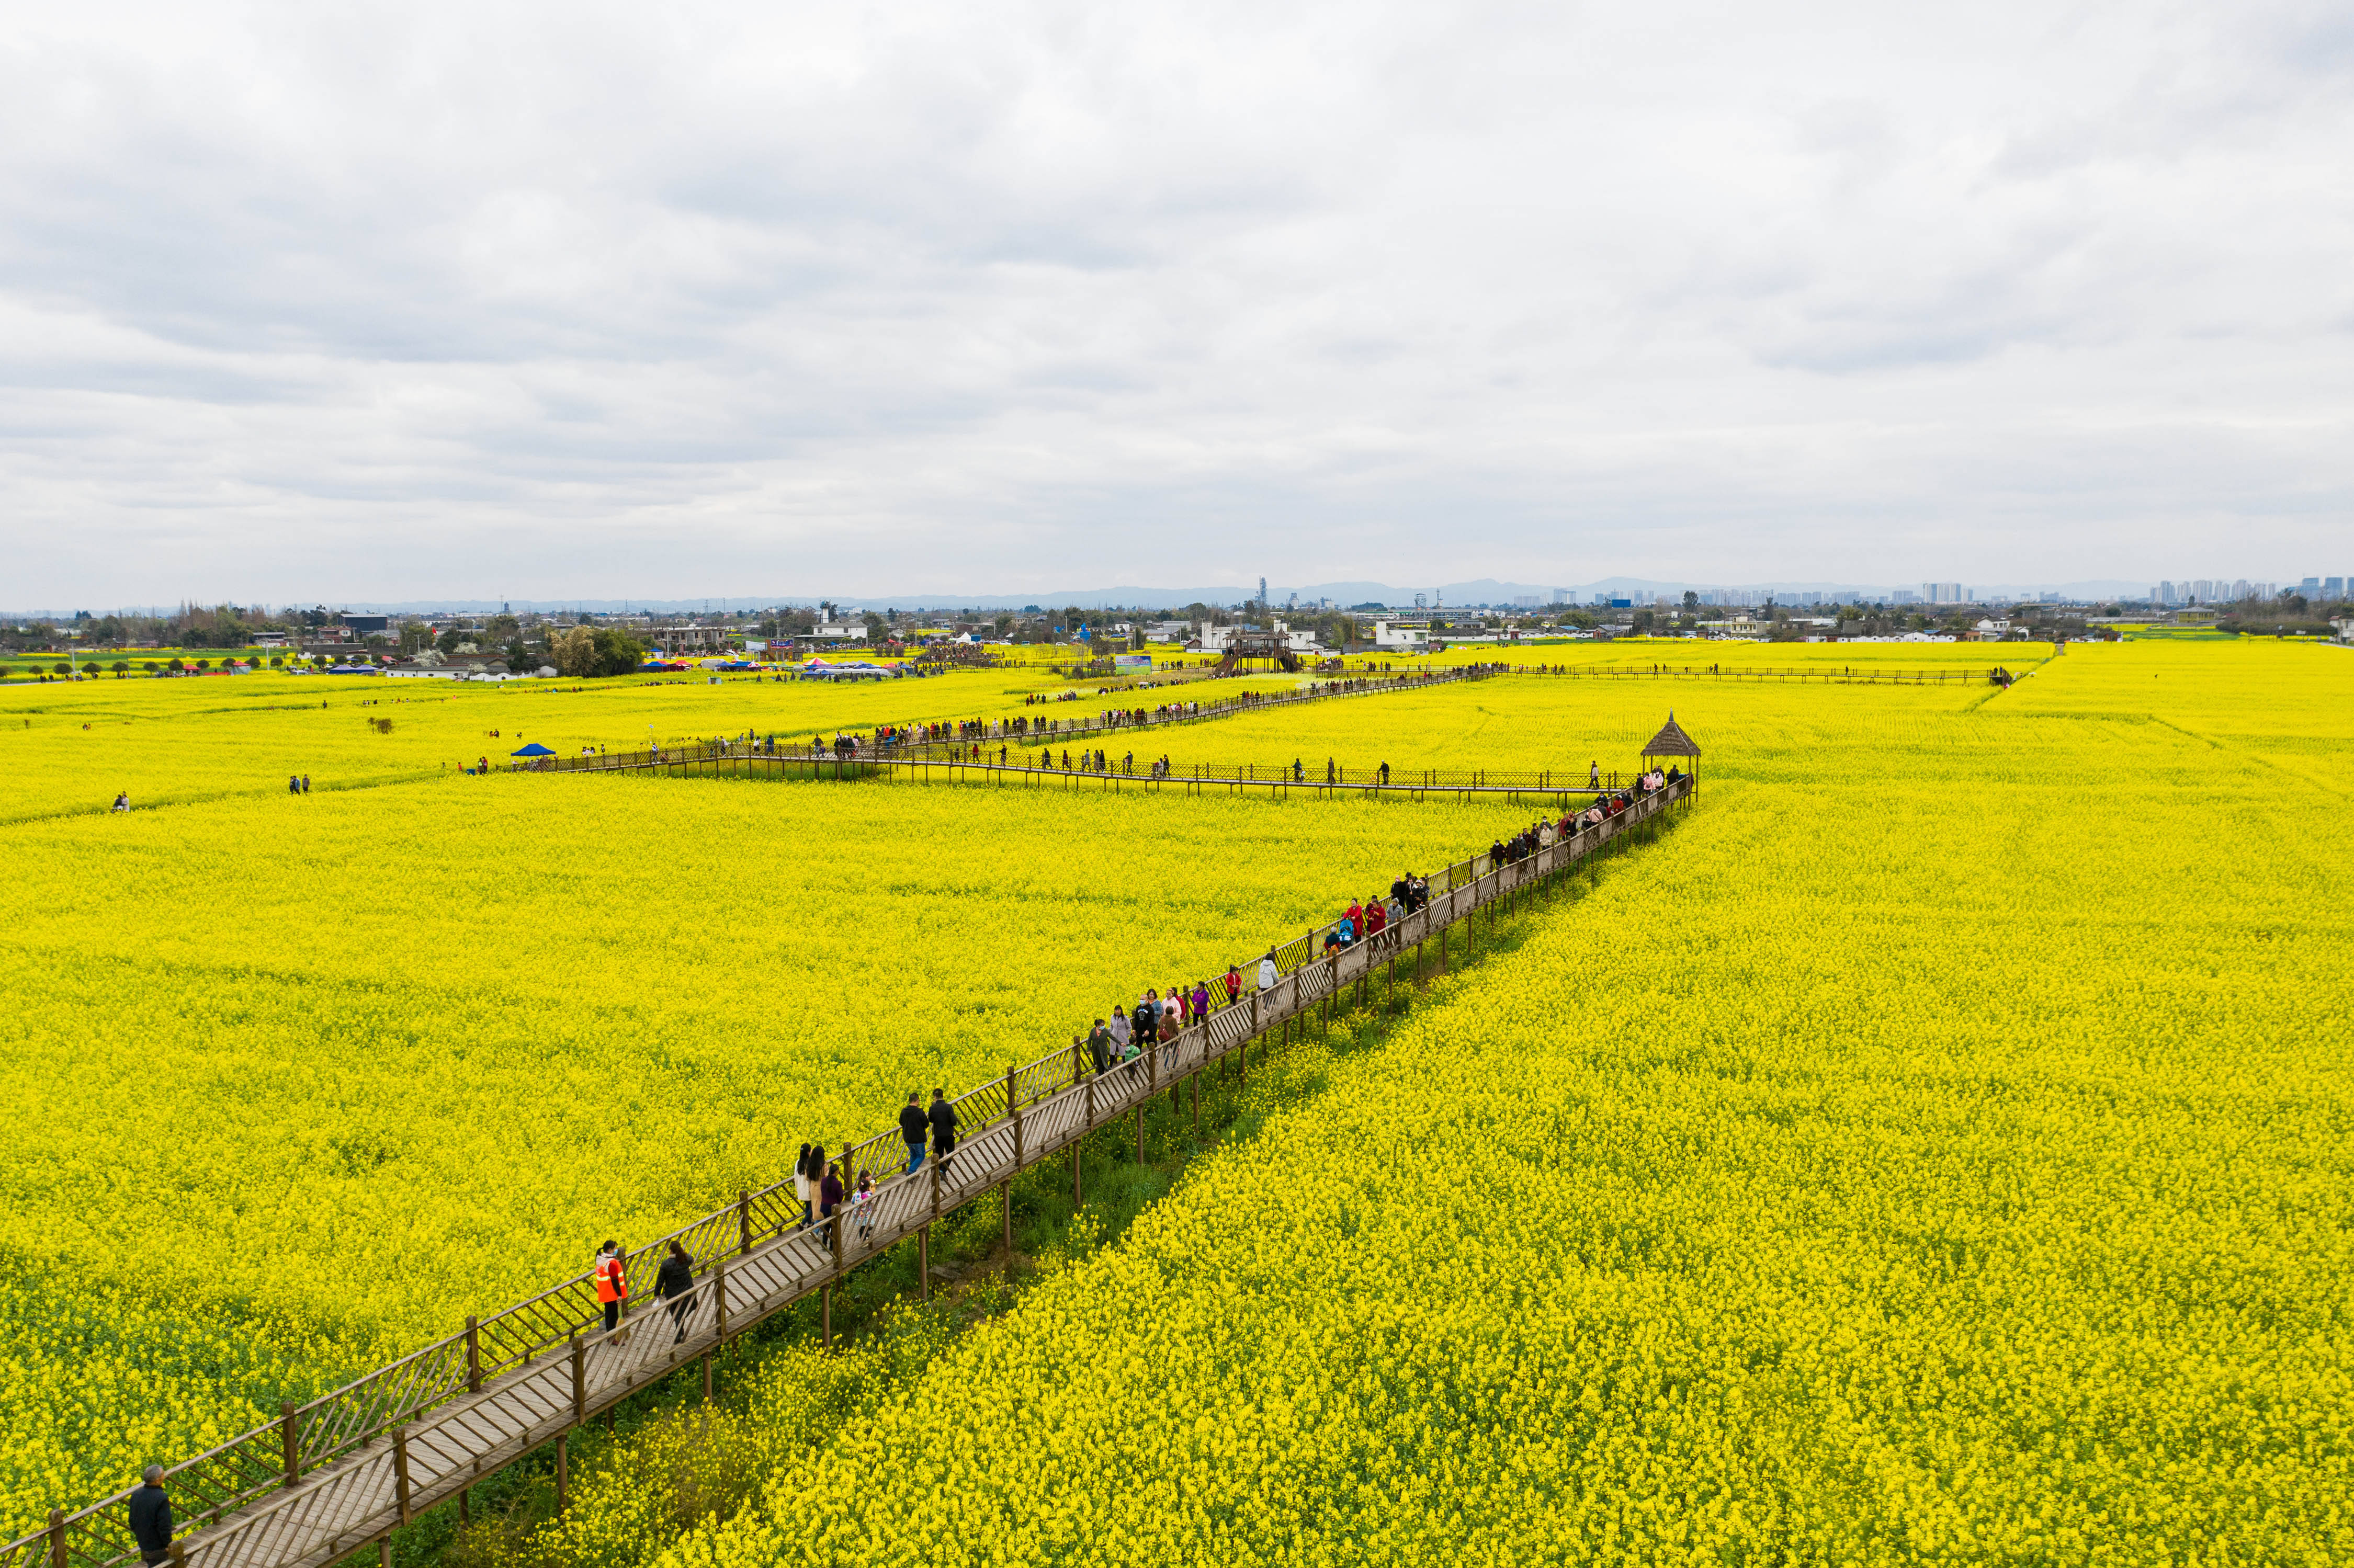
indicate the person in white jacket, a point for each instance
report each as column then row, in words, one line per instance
column 1267, row 975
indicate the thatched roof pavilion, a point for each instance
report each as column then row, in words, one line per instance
column 1672, row 741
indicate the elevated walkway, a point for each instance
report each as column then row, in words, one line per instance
column 343, row 1472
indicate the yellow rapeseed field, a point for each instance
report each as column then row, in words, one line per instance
column 72, row 747
column 1934, row 1152
column 300, row 1083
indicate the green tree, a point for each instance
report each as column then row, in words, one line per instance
column 616, row 652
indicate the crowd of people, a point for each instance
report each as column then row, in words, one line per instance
column 821, row 1182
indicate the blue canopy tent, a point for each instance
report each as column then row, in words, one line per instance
column 534, row 750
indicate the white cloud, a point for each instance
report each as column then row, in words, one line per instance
column 608, row 300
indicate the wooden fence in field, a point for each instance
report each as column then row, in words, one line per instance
column 1325, row 778
column 342, row 1472
column 1995, row 675
column 912, row 744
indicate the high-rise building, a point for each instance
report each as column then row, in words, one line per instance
column 1262, row 592
column 2333, row 586
column 1944, row 593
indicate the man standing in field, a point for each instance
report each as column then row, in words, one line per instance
column 151, row 1518
column 944, row 1128
column 913, row 1124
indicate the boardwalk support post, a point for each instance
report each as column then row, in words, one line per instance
column 57, row 1538
column 744, row 1221
column 719, row 1304
column 579, row 1383
column 563, row 1468
column 473, row 1356
column 401, row 1471
column 290, row 1424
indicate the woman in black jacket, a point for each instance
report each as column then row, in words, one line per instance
column 673, row 1284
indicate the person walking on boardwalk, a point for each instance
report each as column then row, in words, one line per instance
column 1099, row 1048
column 673, row 1284
column 151, row 1518
column 944, row 1128
column 913, row 1125
column 1201, row 1002
column 862, row 1205
column 1234, row 985
column 612, row 1284
column 829, row 1201
column 1119, row 1028
column 1593, row 775
column 801, row 1185
column 1267, row 975
column 1146, row 1022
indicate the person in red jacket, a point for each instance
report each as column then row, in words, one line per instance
column 612, row 1283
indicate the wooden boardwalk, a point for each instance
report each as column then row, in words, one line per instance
column 1401, row 784
column 341, row 1474
column 1040, row 730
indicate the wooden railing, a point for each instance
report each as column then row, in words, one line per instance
column 1867, row 676
column 346, row 1469
column 983, row 765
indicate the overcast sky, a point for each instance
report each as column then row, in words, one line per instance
column 411, row 301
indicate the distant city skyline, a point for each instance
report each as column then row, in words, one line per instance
column 1335, row 596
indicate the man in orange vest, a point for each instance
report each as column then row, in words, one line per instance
column 612, row 1284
